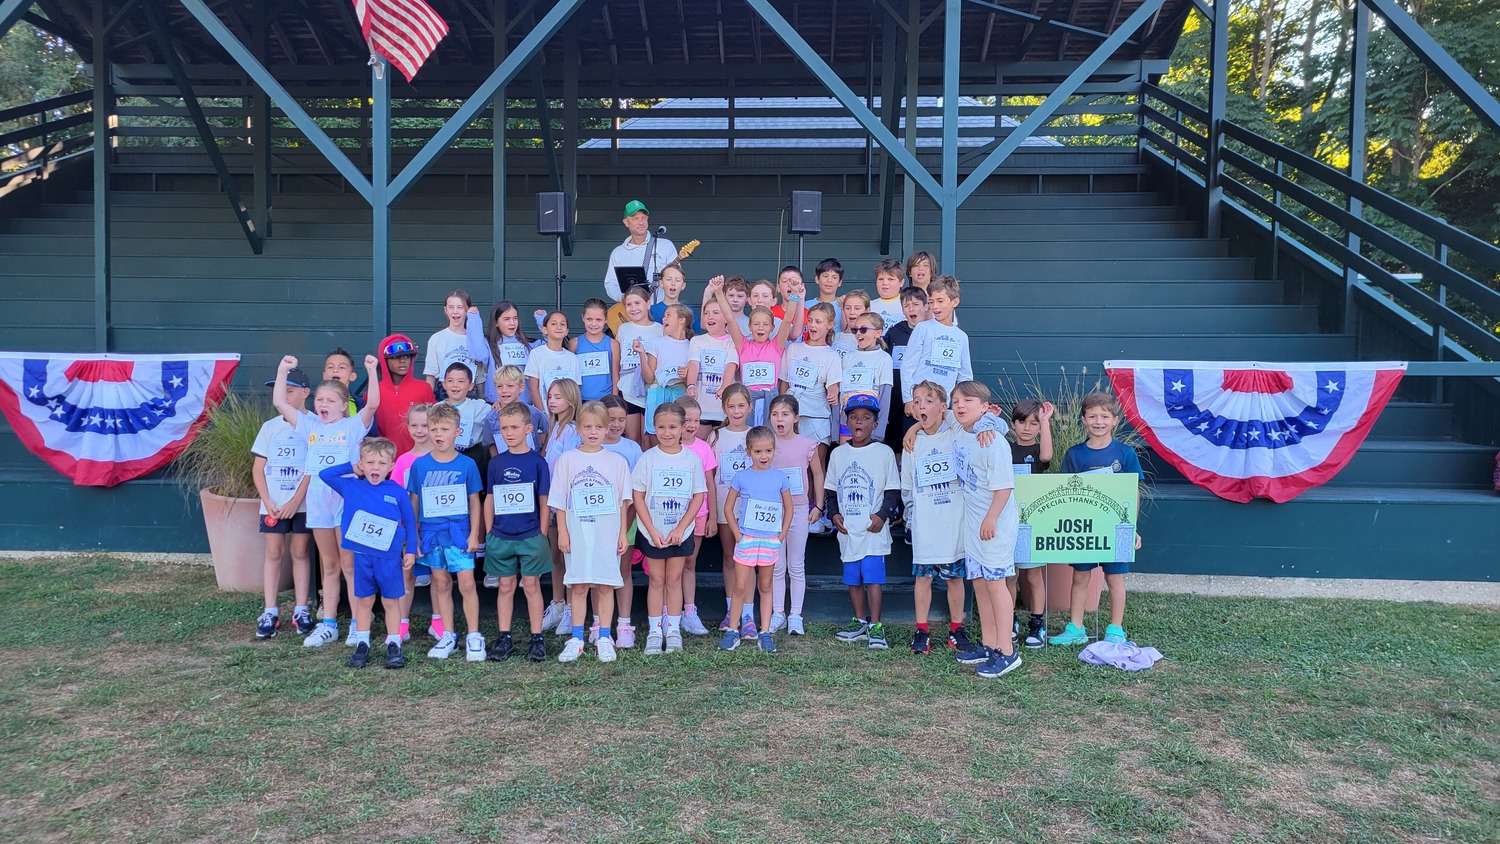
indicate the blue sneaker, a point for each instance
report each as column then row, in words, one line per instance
column 1115, row 634
column 975, row 656
column 730, row 641
column 767, row 644
column 265, row 626
column 999, row 664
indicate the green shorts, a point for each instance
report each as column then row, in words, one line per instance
column 506, row 557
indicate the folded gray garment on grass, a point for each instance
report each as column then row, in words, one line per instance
column 1128, row 656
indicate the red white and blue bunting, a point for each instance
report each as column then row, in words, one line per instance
column 1247, row 429
column 106, row 419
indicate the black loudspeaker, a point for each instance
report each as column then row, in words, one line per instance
column 554, row 213
column 806, row 215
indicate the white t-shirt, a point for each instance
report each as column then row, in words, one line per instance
column 671, row 355
column 329, row 443
column 729, row 450
column 937, row 353
column 285, row 452
column 982, row 471
column 629, row 254
column 807, row 372
column 589, row 490
column 632, row 388
column 669, row 481
column 889, row 310
column 473, row 423
column 447, row 347
column 845, row 344
column 865, row 372
column 714, row 356
column 861, row 476
column 929, row 475
column 546, row 366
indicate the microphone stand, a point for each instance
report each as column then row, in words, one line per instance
column 653, row 276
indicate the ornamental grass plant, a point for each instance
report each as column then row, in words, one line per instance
column 219, row 458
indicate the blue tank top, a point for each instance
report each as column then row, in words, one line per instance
column 593, row 365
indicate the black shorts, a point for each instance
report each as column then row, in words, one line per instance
column 633, row 409
column 643, row 544
column 296, row 524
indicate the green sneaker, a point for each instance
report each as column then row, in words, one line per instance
column 1071, row 635
column 877, row 637
column 1114, row 633
column 860, row 632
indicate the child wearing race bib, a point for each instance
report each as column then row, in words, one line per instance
column 1101, row 452
column 712, row 363
column 673, row 282
column 863, row 489
column 332, row 438
column 563, row 403
column 444, row 487
column 867, row 369
column 501, row 343
column 664, row 363
column 705, row 523
column 380, row 532
column 598, row 355
column 796, row 458
column 1031, row 424
column 451, row 343
column 856, row 305
column 990, row 524
column 938, row 350
column 418, row 575
column 934, row 504
column 552, row 361
column 589, row 488
column 281, row 483
column 760, row 499
column 515, row 525
column 914, row 308
column 475, row 416
column 615, row 441
column 887, row 302
column 668, row 488
column 631, row 385
column 510, row 385
column 728, row 443
column 811, row 372
column 759, row 351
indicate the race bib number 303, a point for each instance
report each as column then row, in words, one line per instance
column 936, row 469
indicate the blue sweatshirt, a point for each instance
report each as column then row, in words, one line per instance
column 374, row 514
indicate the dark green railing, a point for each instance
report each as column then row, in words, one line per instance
column 36, row 137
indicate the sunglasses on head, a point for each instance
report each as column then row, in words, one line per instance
column 399, row 348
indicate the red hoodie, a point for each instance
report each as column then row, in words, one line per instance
column 395, row 399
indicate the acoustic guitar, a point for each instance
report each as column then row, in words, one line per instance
column 616, row 314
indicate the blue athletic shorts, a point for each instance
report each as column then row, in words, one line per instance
column 870, row 570
column 1109, row 568
column 448, row 558
column 951, row 571
column 378, row 573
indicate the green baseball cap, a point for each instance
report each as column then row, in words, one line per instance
column 634, row 206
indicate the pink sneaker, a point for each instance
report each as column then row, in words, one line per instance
column 594, row 633
column 624, row 635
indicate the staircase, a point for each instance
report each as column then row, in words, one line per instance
column 1053, row 284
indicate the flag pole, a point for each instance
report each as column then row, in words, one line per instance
column 380, row 181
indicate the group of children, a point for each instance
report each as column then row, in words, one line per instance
column 583, row 456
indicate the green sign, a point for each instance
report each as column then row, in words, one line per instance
column 1076, row 518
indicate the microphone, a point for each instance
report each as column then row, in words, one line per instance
column 661, row 230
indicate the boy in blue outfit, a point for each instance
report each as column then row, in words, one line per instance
column 381, row 529
column 444, row 487
column 517, row 521
column 1101, row 452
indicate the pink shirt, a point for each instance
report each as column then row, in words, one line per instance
column 402, row 466
column 705, row 453
column 796, row 453
column 753, row 353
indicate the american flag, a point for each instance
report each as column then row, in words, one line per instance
column 403, row 32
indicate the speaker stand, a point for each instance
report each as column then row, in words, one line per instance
column 800, row 238
column 560, row 277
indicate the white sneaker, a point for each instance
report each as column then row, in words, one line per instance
column 778, row 621
column 794, row 625
column 474, row 647
column 571, row 651
column 691, row 623
column 323, row 635
column 551, row 615
column 653, row 643
column 444, row 647
column 423, row 580
column 492, row 581
column 624, row 636
column 606, row 648
column 674, row 641
column 353, row 638
column 820, row 527
column 565, row 622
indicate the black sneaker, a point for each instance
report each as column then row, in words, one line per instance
column 1036, row 632
column 537, row 650
column 502, row 649
column 361, row 656
column 303, row 622
column 394, row 658
column 265, row 626
column 921, row 642
column 974, row 656
column 958, row 640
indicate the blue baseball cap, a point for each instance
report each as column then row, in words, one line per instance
column 864, row 400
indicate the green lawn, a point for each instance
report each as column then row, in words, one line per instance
column 135, row 702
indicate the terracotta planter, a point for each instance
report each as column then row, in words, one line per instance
column 234, row 540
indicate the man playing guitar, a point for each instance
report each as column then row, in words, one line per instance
column 644, row 248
